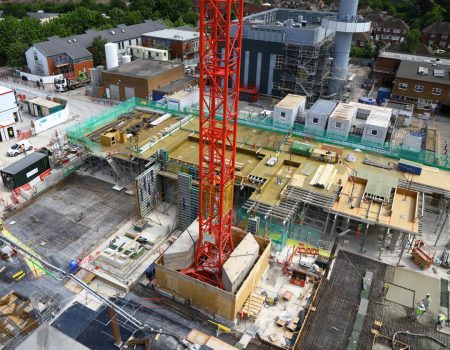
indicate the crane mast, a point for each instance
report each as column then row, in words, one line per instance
column 220, row 56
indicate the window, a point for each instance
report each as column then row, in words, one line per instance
column 338, row 125
column 418, row 88
column 315, row 120
column 374, row 132
column 129, row 42
column 279, row 62
column 362, row 43
column 283, row 115
column 436, row 91
column 402, row 86
column 137, row 41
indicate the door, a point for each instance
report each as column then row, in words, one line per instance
column 129, row 92
column 11, row 132
column 114, row 92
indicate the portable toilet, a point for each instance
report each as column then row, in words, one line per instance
column 317, row 116
column 341, row 120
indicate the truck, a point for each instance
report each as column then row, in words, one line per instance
column 63, row 84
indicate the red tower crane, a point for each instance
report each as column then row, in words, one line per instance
column 220, row 56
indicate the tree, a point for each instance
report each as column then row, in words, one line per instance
column 98, row 51
column 412, row 40
column 15, row 54
column 117, row 4
column 117, row 15
column 436, row 14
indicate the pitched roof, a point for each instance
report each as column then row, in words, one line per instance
column 394, row 23
column 438, row 28
column 76, row 46
column 361, row 37
column 422, row 49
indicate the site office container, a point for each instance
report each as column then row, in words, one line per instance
column 25, row 170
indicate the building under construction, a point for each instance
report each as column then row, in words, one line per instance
column 287, row 51
column 291, row 186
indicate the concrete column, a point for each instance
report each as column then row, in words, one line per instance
column 258, row 70
column 246, row 67
column 394, row 240
column 271, row 69
column 362, row 250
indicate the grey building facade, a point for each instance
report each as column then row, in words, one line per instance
column 286, row 51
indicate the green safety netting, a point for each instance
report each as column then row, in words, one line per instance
column 77, row 133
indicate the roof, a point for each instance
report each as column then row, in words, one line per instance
column 379, row 118
column 173, row 34
column 45, row 103
column 57, row 46
column 291, row 101
column 361, row 37
column 5, row 90
column 414, row 58
column 432, row 72
column 143, row 68
column 24, row 162
column 49, row 338
column 322, row 107
column 343, row 111
column 41, row 15
column 394, row 23
column 177, row 85
column 438, row 28
column 422, row 49
column 76, row 46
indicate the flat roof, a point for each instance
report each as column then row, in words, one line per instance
column 141, row 68
column 431, row 72
column 174, row 34
column 291, row 101
column 323, row 107
column 24, row 162
column 177, row 84
column 5, row 90
column 379, row 118
column 43, row 102
column 343, row 111
column 181, row 94
column 414, row 58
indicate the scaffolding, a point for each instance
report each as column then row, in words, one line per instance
column 306, row 68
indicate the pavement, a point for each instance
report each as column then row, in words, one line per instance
column 81, row 107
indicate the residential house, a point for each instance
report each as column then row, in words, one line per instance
column 426, row 83
column 71, row 55
column 361, row 39
column 437, row 34
column 182, row 44
column 391, row 30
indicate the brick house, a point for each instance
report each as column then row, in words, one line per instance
column 391, row 30
column 437, row 34
column 425, row 83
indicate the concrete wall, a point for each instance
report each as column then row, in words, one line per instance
column 211, row 300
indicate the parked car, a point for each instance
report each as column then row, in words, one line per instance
column 19, row 147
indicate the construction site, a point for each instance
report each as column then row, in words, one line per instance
column 303, row 222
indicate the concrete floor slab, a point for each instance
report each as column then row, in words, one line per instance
column 67, row 221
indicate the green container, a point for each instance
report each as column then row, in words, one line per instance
column 302, row 149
